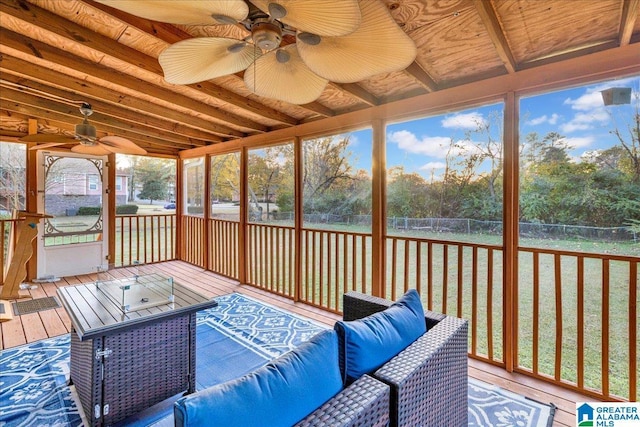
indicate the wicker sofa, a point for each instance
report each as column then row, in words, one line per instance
column 428, row 379
column 421, row 381
column 302, row 388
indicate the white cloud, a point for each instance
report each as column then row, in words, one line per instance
column 463, row 121
column 435, row 146
column 433, row 166
column 585, row 121
column 586, row 102
column 552, row 120
column 580, row 142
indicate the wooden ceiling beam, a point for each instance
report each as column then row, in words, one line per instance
column 41, row 107
column 629, row 15
column 69, row 30
column 358, row 92
column 34, row 72
column 422, row 77
column 319, row 109
column 171, row 34
column 163, row 125
column 43, row 51
column 574, row 53
column 47, row 120
column 492, row 24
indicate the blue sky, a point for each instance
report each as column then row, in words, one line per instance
column 578, row 114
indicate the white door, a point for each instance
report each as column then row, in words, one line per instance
column 73, row 189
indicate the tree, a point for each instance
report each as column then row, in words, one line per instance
column 326, row 172
column 266, row 173
column 407, row 194
column 153, row 190
column 630, row 140
column 154, row 174
column 12, row 176
column 225, row 177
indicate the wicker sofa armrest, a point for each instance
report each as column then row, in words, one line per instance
column 363, row 403
column 356, row 305
column 428, row 379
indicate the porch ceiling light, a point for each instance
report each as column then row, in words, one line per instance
column 616, row 96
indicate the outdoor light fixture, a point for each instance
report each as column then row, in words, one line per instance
column 616, row 96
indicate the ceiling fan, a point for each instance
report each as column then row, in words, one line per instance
column 85, row 137
column 294, row 49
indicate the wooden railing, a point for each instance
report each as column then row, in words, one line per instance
column 576, row 313
column 193, row 240
column 223, row 247
column 145, row 239
column 270, row 258
column 334, row 262
column 460, row 279
column 578, row 320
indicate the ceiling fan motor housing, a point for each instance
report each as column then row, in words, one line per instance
column 266, row 35
column 86, row 132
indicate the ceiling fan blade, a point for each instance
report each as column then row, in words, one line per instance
column 281, row 74
column 204, row 58
column 187, row 12
column 322, row 17
column 378, row 46
column 118, row 144
column 48, row 145
column 43, row 137
column 95, row 150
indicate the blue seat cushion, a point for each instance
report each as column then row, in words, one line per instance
column 280, row 393
column 368, row 343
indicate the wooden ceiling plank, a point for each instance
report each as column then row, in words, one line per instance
column 319, row 109
column 71, row 113
column 170, row 34
column 630, row 11
column 422, row 76
column 52, row 54
column 47, row 118
column 37, row 16
column 492, row 23
column 576, row 53
column 114, row 111
column 82, row 87
column 357, row 92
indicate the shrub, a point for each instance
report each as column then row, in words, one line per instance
column 89, row 210
column 127, row 210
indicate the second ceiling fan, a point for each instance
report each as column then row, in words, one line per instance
column 342, row 41
column 85, row 140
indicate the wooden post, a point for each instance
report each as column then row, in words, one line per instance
column 299, row 213
column 111, row 214
column 242, row 223
column 206, row 242
column 179, row 197
column 32, row 194
column 378, row 210
column 511, row 230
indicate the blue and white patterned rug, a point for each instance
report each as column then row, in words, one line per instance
column 493, row 406
column 33, row 377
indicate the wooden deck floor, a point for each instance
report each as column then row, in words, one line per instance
column 32, row 327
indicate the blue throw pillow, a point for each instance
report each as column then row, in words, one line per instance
column 368, row 343
column 280, row 393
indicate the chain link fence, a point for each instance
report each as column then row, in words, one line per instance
column 474, row 226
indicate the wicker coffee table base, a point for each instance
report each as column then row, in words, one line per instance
column 120, row 374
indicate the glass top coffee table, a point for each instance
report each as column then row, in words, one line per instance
column 133, row 343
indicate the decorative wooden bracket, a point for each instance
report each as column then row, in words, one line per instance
column 26, row 232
